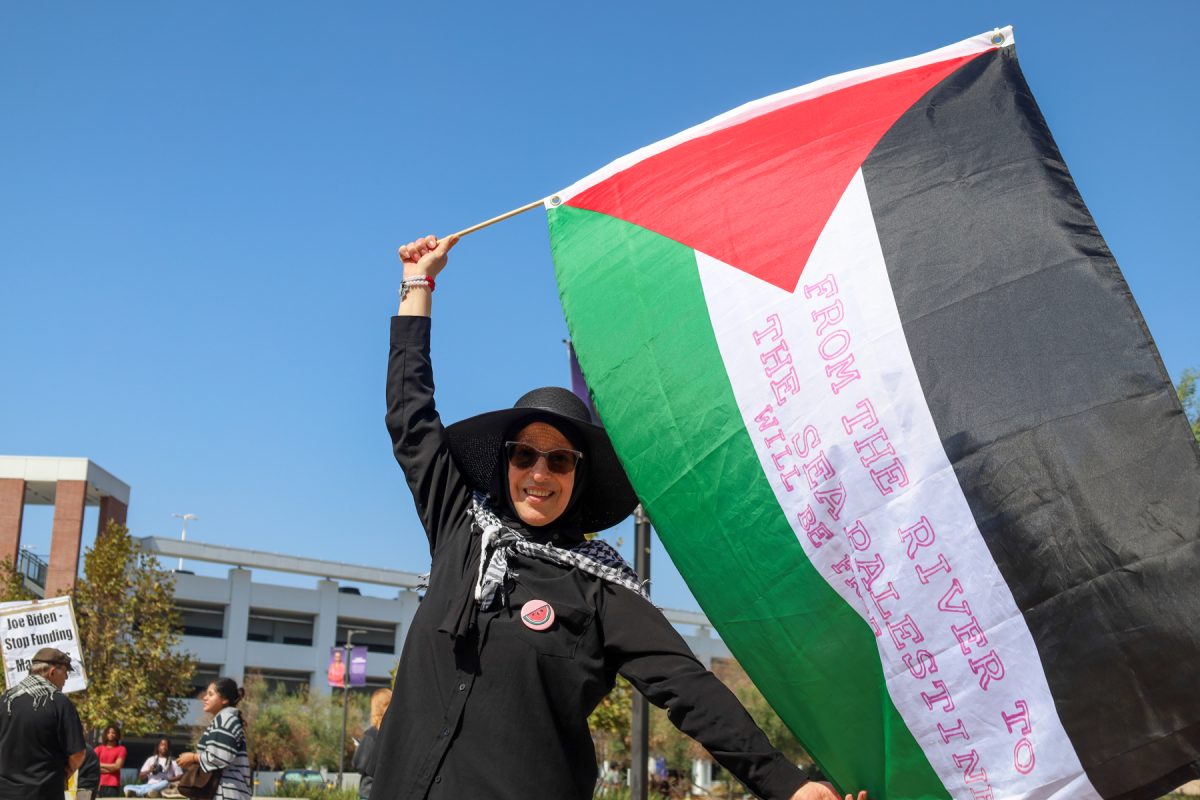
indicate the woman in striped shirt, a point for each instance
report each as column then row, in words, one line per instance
column 223, row 744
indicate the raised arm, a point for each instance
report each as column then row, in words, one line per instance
column 418, row 438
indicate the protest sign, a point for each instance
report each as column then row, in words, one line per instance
column 28, row 626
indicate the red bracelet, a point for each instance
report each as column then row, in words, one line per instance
column 419, row 280
column 424, row 281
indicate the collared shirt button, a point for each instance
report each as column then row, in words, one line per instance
column 438, row 779
column 445, row 732
column 462, row 687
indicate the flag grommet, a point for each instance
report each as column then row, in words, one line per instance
column 997, row 37
column 555, row 200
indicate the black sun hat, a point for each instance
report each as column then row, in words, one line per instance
column 477, row 444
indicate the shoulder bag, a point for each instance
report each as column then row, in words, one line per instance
column 198, row 784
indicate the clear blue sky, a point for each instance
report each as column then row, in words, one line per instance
column 200, row 205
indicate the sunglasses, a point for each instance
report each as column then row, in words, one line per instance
column 560, row 462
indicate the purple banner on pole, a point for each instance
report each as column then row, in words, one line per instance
column 337, row 673
column 358, row 666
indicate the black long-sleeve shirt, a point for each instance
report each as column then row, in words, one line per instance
column 364, row 761
column 502, row 712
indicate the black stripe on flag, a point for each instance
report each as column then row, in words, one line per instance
column 1053, row 405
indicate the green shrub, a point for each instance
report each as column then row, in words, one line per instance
column 311, row 791
column 619, row 793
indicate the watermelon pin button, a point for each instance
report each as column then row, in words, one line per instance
column 537, row 615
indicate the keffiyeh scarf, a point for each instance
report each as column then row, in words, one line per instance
column 596, row 557
column 33, row 686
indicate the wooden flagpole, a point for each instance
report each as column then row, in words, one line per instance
column 528, row 206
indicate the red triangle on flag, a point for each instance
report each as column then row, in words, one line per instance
column 757, row 195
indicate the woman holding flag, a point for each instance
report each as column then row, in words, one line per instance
column 526, row 624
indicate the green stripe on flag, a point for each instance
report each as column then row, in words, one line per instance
column 640, row 325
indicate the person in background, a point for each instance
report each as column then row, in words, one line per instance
column 223, row 744
column 363, row 756
column 157, row 773
column 41, row 737
column 112, row 758
column 87, row 781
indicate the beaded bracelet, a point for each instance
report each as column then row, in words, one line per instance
column 416, row 281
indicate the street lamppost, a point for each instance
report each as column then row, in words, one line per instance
column 345, row 703
column 183, row 535
column 639, row 751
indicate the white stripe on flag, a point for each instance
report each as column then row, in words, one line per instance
column 830, row 397
column 765, row 105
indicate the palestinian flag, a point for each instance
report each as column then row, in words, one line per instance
column 882, row 389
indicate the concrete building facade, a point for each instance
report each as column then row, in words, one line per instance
column 237, row 625
column 68, row 484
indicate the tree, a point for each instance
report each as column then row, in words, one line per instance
column 12, row 584
column 326, row 725
column 611, row 721
column 1189, row 399
column 12, row 588
column 277, row 718
column 732, row 674
column 678, row 749
column 291, row 729
column 129, row 630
